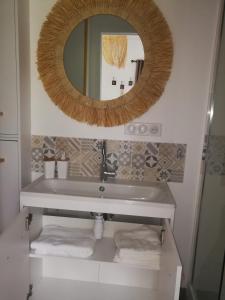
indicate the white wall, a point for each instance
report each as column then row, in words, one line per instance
column 182, row 109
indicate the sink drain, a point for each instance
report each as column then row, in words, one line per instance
column 101, row 188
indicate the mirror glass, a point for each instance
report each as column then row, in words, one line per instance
column 103, row 57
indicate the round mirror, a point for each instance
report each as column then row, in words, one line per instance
column 75, row 98
column 103, row 57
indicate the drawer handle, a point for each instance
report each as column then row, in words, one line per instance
column 2, row 160
column 1, row 114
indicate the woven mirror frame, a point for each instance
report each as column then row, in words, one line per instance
column 149, row 23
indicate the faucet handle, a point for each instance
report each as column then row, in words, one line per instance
column 110, row 174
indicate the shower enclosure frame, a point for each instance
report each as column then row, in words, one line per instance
column 191, row 295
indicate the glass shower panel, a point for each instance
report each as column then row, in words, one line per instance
column 222, row 297
column 222, row 290
column 210, row 249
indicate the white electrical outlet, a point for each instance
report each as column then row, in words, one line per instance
column 130, row 129
column 144, row 129
column 155, row 129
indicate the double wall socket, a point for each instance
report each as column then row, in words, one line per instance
column 144, row 129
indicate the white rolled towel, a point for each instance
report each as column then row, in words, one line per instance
column 63, row 241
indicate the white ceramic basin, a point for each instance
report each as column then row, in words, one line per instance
column 112, row 190
column 84, row 194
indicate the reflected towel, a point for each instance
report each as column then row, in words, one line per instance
column 64, row 241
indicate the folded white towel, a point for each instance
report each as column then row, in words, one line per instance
column 143, row 238
column 140, row 246
column 64, row 241
column 152, row 262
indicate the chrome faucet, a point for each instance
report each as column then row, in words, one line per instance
column 104, row 172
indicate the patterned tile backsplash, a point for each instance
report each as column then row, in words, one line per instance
column 138, row 161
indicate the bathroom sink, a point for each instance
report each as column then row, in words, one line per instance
column 113, row 196
column 153, row 192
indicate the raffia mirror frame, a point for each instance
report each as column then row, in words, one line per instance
column 155, row 34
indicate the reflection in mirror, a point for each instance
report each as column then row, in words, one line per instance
column 103, row 57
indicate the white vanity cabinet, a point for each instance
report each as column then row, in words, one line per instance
column 97, row 277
